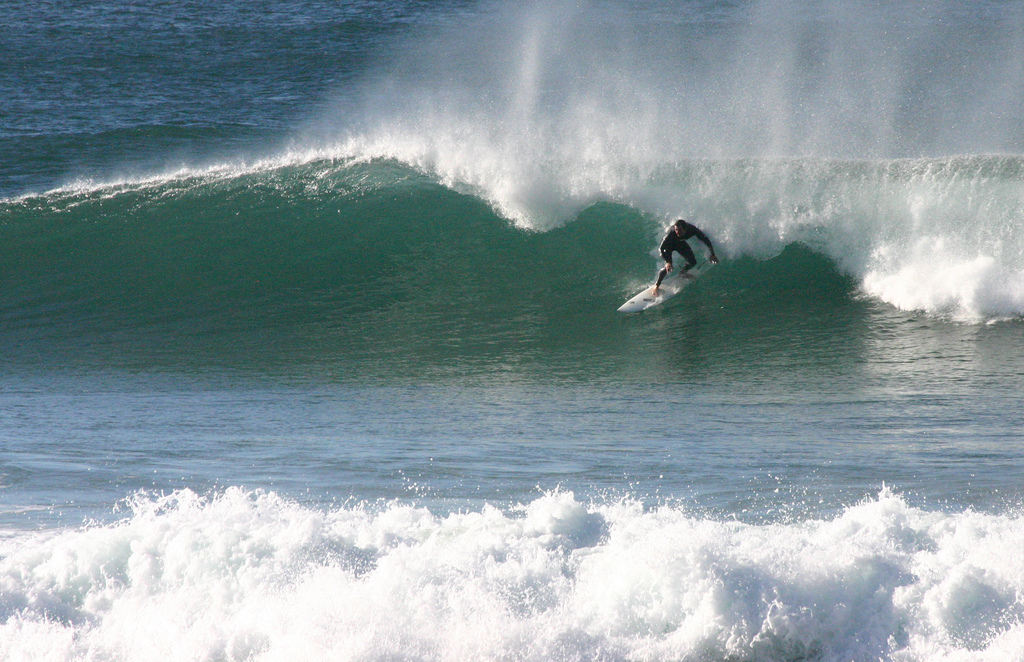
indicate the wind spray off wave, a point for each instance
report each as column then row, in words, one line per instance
column 840, row 125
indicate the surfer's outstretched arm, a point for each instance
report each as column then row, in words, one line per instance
column 712, row 258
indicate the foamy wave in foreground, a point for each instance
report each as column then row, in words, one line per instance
column 251, row 576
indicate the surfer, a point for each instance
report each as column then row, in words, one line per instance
column 675, row 240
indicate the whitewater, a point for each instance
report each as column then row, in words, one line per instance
column 252, row 576
column 310, row 346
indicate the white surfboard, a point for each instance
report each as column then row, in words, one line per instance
column 671, row 286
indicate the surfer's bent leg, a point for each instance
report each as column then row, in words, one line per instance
column 687, row 254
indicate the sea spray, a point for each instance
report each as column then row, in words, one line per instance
column 249, row 575
column 554, row 101
column 839, row 125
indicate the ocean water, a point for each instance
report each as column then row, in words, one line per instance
column 310, row 349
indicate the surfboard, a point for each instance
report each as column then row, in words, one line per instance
column 673, row 284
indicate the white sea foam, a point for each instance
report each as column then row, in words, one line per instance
column 251, row 576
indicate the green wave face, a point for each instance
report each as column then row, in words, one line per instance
column 370, row 268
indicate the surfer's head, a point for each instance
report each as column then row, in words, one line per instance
column 679, row 226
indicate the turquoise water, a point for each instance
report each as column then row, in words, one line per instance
column 310, row 343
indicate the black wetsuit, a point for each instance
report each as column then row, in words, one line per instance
column 677, row 243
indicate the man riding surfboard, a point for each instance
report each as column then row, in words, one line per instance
column 675, row 241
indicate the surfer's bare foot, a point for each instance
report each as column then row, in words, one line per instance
column 654, row 290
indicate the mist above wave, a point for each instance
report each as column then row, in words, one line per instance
column 551, row 105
